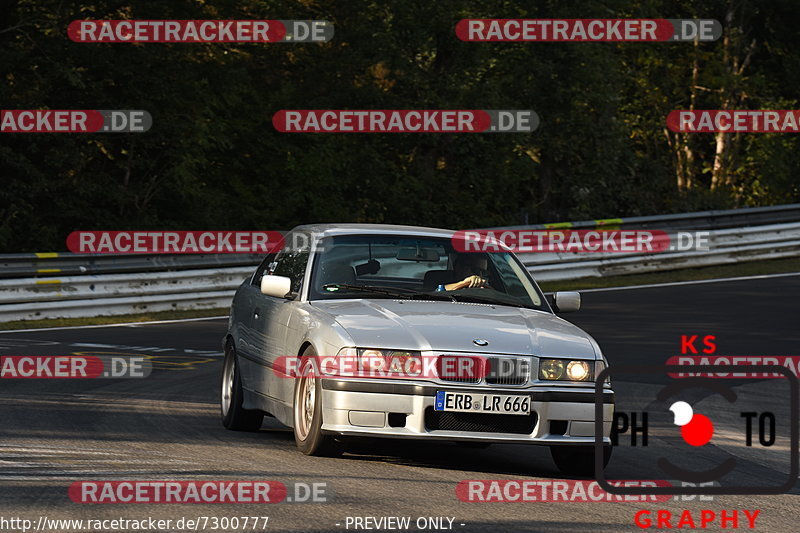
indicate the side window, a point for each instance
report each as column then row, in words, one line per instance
column 264, row 268
column 292, row 264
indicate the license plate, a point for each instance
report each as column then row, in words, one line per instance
column 469, row 402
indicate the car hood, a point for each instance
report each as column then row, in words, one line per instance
column 452, row 326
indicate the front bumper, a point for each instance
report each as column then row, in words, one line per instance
column 405, row 410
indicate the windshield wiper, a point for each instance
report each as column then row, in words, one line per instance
column 401, row 293
column 394, row 292
column 486, row 300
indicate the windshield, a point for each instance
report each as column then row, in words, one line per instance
column 410, row 267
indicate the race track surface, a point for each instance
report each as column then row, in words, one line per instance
column 167, row 426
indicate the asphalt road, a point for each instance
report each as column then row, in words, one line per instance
column 167, row 427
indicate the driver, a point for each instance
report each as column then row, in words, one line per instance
column 470, row 267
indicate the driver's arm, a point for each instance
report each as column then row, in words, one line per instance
column 468, row 282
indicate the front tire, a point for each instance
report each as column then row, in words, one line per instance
column 577, row 460
column 234, row 416
column 307, row 409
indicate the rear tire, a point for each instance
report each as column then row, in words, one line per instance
column 307, row 409
column 234, row 416
column 578, row 460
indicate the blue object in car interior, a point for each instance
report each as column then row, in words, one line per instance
column 440, row 288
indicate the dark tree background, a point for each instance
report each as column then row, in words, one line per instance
column 213, row 160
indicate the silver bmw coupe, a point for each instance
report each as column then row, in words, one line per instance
column 358, row 330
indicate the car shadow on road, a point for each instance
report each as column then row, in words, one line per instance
column 506, row 459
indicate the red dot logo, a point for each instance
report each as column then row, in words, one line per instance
column 696, row 429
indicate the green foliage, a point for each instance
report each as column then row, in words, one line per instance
column 213, row 160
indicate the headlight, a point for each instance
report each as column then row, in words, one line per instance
column 578, row 370
column 396, row 362
column 551, row 369
column 565, row 370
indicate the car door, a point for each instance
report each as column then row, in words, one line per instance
column 271, row 319
column 248, row 301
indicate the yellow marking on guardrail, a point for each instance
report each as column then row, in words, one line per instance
column 47, row 281
column 46, row 255
column 558, row 225
column 608, row 223
column 47, row 270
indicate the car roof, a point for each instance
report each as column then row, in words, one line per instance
column 326, row 230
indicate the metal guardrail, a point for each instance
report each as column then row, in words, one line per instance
column 117, row 294
column 66, row 264
column 699, row 220
column 121, row 285
column 56, row 285
column 725, row 246
column 116, row 306
column 69, row 264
